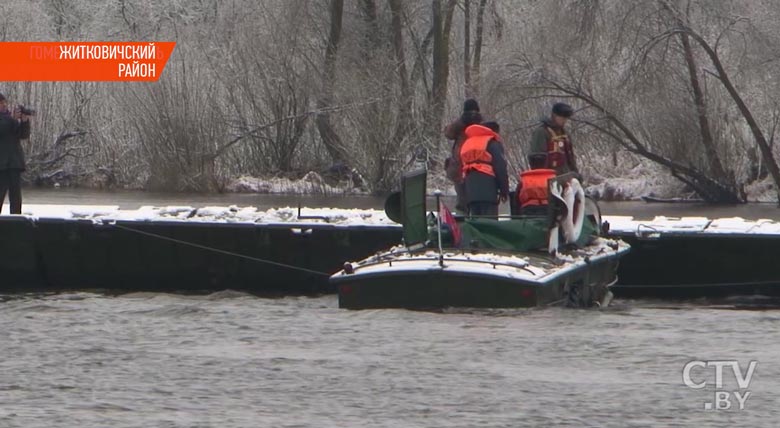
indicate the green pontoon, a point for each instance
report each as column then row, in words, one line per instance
column 557, row 258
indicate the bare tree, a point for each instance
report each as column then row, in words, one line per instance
column 711, row 50
column 330, row 138
column 405, row 107
column 288, row 86
column 442, row 24
column 471, row 63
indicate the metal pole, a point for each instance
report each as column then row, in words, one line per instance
column 438, row 224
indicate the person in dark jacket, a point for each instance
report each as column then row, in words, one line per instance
column 455, row 132
column 13, row 128
column 484, row 169
column 551, row 141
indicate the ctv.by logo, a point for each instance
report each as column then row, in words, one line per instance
column 722, row 398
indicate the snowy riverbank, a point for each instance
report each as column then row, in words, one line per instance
column 632, row 186
column 369, row 217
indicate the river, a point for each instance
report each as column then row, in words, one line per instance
column 233, row 360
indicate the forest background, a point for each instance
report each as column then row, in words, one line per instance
column 673, row 98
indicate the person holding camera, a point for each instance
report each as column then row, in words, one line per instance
column 14, row 126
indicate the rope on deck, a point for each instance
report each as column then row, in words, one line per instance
column 217, row 250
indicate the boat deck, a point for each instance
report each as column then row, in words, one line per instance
column 534, row 268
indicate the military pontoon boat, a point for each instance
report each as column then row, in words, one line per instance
column 522, row 261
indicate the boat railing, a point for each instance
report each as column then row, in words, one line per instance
column 420, row 249
column 499, row 217
column 388, row 258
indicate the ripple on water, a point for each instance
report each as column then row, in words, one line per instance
column 233, row 360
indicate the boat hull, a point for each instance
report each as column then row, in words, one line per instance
column 438, row 288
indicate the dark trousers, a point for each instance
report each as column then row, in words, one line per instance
column 460, row 205
column 537, row 210
column 11, row 183
column 484, row 209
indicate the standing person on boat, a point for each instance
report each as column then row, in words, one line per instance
column 13, row 127
column 551, row 140
column 484, row 169
column 455, row 132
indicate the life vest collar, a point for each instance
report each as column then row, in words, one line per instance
column 480, row 131
column 538, row 171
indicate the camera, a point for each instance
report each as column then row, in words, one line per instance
column 26, row 110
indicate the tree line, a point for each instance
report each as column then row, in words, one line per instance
column 283, row 87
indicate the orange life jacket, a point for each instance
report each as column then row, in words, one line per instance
column 534, row 187
column 559, row 150
column 473, row 153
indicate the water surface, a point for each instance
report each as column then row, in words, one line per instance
column 233, row 360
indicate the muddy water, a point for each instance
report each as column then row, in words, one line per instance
column 232, row 360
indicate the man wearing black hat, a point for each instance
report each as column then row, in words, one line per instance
column 551, row 144
column 455, row 132
column 13, row 127
column 484, row 169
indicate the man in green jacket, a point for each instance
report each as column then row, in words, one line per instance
column 551, row 143
column 13, row 128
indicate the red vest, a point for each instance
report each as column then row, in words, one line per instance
column 534, row 187
column 559, row 150
column 473, row 153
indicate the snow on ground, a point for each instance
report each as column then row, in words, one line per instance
column 608, row 184
column 642, row 180
column 761, row 191
column 231, row 214
column 740, row 225
column 486, row 263
column 658, row 224
column 692, row 225
column 359, row 217
column 311, row 183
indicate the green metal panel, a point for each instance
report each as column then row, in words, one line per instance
column 60, row 243
column 94, row 255
column 413, row 210
column 18, row 257
column 127, row 249
column 437, row 289
column 158, row 255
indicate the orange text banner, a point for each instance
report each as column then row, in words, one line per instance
column 83, row 61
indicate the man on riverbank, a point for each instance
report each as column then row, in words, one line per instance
column 14, row 126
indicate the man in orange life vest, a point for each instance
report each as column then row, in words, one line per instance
column 532, row 190
column 455, row 131
column 484, row 169
column 550, row 139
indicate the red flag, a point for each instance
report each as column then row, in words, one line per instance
column 447, row 218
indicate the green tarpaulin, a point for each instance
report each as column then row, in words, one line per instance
column 510, row 235
column 525, row 234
